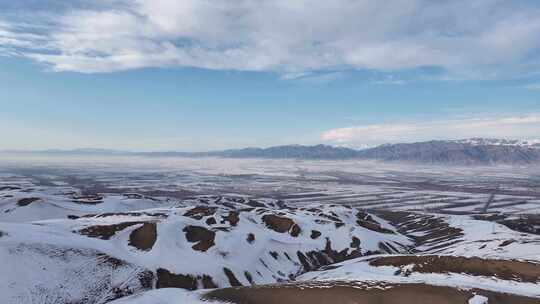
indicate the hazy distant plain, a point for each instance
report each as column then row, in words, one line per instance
column 364, row 184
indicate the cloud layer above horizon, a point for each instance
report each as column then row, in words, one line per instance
column 523, row 127
column 464, row 39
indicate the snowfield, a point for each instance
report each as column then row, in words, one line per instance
column 213, row 244
column 108, row 239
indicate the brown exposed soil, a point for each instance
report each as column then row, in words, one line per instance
column 9, row 188
column 232, row 218
column 503, row 269
column 167, row 279
column 144, row 237
column 232, row 278
column 387, row 247
column 333, row 217
column 313, row 260
column 134, row 214
column 200, row 211
column 295, row 230
column 87, row 198
column 434, row 228
column 278, row 223
column 528, row 223
column 27, row 201
column 109, row 260
column 211, row 221
column 200, row 235
column 344, row 292
column 208, row 282
column 315, row 234
column 365, row 220
column 506, row 243
column 249, row 277
column 254, row 203
column 355, row 242
column 146, row 278
column 105, row 232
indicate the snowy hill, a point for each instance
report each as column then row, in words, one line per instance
column 218, row 242
column 457, row 260
column 58, row 245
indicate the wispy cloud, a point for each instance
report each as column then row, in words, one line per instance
column 525, row 126
column 314, row 78
column 532, row 86
column 389, row 82
column 283, row 36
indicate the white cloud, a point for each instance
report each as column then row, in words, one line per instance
column 526, row 126
column 314, row 78
column 480, row 38
column 390, row 82
column 532, row 86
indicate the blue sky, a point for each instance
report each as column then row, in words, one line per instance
column 203, row 75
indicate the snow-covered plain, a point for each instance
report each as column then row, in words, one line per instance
column 365, row 184
column 102, row 230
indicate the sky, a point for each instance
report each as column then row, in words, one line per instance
column 201, row 75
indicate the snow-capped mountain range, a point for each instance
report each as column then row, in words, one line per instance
column 478, row 141
column 473, row 151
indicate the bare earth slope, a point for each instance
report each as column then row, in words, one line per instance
column 214, row 242
column 59, row 246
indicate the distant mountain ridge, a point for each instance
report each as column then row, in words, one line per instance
column 473, row 151
column 291, row 151
column 478, row 141
column 456, row 152
column 285, row 151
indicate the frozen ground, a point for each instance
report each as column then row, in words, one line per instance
column 367, row 185
column 167, row 230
